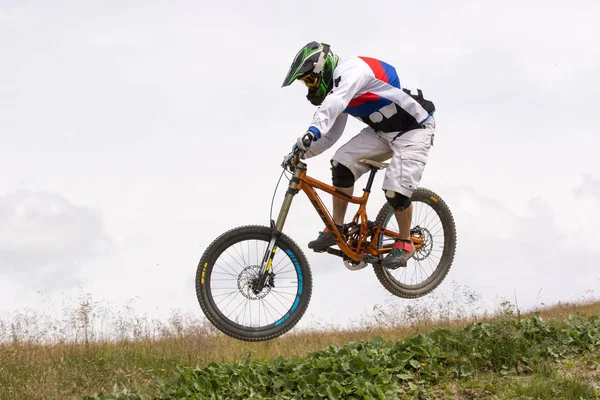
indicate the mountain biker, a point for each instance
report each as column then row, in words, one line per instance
column 400, row 126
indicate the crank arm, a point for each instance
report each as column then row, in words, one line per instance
column 371, row 259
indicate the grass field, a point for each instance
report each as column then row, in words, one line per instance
column 401, row 352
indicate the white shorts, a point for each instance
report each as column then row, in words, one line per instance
column 408, row 155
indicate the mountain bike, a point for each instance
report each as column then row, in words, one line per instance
column 254, row 283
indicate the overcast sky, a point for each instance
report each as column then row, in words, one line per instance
column 131, row 135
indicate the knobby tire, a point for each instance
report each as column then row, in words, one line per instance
column 207, row 303
column 443, row 211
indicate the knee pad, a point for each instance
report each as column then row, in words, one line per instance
column 341, row 176
column 398, row 201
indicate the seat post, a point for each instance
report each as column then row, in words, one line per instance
column 374, row 165
column 371, row 178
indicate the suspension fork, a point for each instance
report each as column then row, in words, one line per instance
column 277, row 227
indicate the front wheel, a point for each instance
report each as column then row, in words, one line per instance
column 433, row 231
column 226, row 280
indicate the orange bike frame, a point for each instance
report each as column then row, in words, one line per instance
column 301, row 181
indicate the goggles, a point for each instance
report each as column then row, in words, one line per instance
column 310, row 80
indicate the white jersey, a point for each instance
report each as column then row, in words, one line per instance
column 370, row 90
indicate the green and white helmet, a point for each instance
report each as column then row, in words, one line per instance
column 313, row 65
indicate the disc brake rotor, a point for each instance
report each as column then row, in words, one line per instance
column 425, row 250
column 248, row 279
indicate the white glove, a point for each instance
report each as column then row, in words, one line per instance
column 304, row 141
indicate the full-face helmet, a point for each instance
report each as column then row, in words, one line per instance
column 313, row 65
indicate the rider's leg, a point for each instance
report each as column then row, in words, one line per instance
column 404, row 218
column 410, row 155
column 346, row 169
column 403, row 247
column 343, row 180
column 340, row 205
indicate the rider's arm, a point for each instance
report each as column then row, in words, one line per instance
column 351, row 77
column 328, row 140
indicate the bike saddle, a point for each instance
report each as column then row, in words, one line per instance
column 375, row 164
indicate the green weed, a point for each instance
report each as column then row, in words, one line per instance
column 415, row 367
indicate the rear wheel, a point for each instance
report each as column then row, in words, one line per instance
column 226, row 284
column 434, row 231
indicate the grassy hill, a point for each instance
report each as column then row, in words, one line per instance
column 551, row 354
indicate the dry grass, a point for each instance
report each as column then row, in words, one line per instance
column 563, row 310
column 90, row 347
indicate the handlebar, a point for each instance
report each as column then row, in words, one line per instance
column 290, row 163
column 297, row 155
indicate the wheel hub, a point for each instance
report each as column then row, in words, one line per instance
column 247, row 282
column 425, row 249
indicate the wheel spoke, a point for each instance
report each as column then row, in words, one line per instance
column 428, row 225
column 233, row 279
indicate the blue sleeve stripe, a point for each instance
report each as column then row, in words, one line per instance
column 316, row 131
column 391, row 75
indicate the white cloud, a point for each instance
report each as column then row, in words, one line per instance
column 45, row 240
column 590, row 186
column 501, row 250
